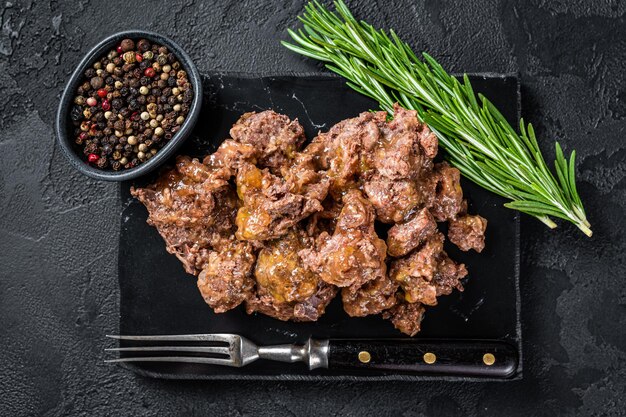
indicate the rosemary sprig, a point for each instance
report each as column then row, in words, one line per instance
column 477, row 138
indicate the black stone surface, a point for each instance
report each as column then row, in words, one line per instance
column 58, row 289
column 487, row 309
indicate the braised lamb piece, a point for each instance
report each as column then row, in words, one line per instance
column 354, row 254
column 226, row 280
column 402, row 238
column 281, row 228
column 310, row 309
column 468, row 232
column 273, row 136
column 373, row 297
column 427, row 273
column 286, row 289
column 192, row 208
column 271, row 205
column 406, row 317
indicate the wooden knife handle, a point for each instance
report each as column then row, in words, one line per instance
column 478, row 358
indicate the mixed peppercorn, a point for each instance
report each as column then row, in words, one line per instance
column 130, row 104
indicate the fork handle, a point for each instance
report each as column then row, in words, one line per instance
column 480, row 358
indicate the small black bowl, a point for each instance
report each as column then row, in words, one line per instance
column 64, row 125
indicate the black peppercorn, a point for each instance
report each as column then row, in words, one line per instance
column 127, row 45
column 144, row 80
column 117, row 104
column 90, row 73
column 143, row 45
column 144, row 64
column 141, row 100
column 90, row 147
column 171, row 82
column 124, row 91
column 76, row 114
column 102, row 163
column 116, row 165
column 125, row 112
column 155, row 92
column 133, row 82
column 109, row 81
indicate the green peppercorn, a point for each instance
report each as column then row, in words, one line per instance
column 129, row 57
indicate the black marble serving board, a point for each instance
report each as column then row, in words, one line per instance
column 158, row 297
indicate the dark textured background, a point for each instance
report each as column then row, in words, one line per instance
column 58, row 229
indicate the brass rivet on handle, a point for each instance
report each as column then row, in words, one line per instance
column 364, row 356
column 489, row 359
column 430, row 358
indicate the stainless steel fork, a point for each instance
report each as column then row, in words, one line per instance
column 486, row 358
column 237, row 352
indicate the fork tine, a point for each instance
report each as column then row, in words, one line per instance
column 200, row 349
column 215, row 337
column 176, row 359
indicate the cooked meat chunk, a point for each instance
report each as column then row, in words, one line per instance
column 304, row 178
column 346, row 149
column 301, row 223
column 402, row 238
column 448, row 194
column 354, row 254
column 468, row 232
column 226, row 281
column 406, row 317
column 310, row 309
column 399, row 155
column 448, row 276
column 229, row 156
column 270, row 207
column 281, row 274
column 274, row 137
column 371, row 298
column 427, row 273
column 428, row 142
column 393, row 200
column 415, row 272
column 192, row 208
